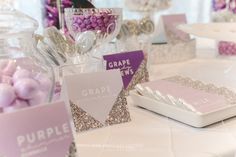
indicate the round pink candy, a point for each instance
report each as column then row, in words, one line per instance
column 21, row 73
column 6, row 79
column 10, row 68
column 44, row 82
column 17, row 105
column 3, row 64
column 38, row 99
column 26, row 88
column 7, row 95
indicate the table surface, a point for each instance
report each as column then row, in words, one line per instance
column 153, row 135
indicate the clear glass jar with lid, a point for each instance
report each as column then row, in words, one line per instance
column 26, row 79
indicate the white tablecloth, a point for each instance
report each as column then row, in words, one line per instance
column 152, row 135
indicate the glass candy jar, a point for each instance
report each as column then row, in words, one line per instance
column 25, row 77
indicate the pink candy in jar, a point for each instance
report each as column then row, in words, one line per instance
column 19, row 88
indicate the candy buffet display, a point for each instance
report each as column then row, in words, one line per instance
column 26, row 78
column 224, row 11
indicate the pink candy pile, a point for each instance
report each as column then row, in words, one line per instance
column 20, row 88
column 227, row 48
column 103, row 21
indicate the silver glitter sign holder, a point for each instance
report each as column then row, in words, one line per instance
column 85, row 120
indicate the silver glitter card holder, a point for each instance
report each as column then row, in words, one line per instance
column 96, row 99
column 188, row 101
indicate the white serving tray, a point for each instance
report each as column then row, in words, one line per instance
column 182, row 115
column 216, row 31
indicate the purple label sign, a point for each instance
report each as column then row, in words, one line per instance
column 127, row 62
column 42, row 131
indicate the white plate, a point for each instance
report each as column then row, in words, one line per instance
column 217, row 31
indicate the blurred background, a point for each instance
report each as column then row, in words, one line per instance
column 196, row 10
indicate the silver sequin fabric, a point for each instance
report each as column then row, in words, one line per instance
column 140, row 76
column 229, row 95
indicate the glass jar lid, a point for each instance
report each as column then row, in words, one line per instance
column 13, row 22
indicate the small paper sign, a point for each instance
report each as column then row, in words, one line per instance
column 168, row 27
column 96, row 99
column 42, row 131
column 95, row 93
column 127, row 62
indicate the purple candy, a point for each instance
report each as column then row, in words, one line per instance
column 227, row 48
column 88, row 27
column 79, row 21
column 82, row 25
column 103, row 29
column 93, row 19
column 101, row 24
column 105, row 20
column 75, row 26
column 87, row 16
column 98, row 28
column 81, row 17
column 83, row 30
column 99, row 21
column 87, row 22
column 94, row 25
